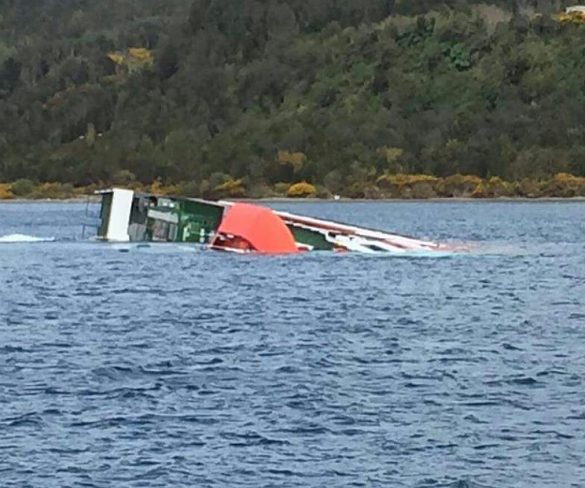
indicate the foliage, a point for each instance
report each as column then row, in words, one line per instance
column 500, row 188
column 53, row 191
column 572, row 18
column 196, row 94
column 281, row 189
column 403, row 186
column 22, row 188
column 123, row 178
column 458, row 186
column 5, row 192
column 135, row 59
column 230, row 189
column 565, row 185
column 295, row 160
column 302, row 190
column 157, row 188
column 409, row 186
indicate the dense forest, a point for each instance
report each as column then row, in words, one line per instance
column 249, row 97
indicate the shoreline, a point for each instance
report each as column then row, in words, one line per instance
column 421, row 200
column 92, row 199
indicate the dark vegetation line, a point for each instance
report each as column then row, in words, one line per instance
column 371, row 98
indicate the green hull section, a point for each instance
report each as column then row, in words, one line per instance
column 197, row 221
column 315, row 240
column 162, row 219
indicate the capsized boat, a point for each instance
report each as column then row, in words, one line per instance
column 128, row 216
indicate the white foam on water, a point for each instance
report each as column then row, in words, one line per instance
column 16, row 238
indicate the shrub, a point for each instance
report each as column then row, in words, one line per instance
column 5, row 192
column 22, row 188
column 372, row 192
column 172, row 190
column 356, row 190
column 302, row 190
column 205, row 189
column 458, row 186
column 481, row 191
column 323, row 192
column 230, row 189
column 500, row 188
column 565, row 185
column 572, row 17
column 259, row 190
column 218, row 178
column 423, row 189
column 190, row 189
column 156, row 187
column 136, row 186
column 294, row 159
column 53, row 191
column 68, row 190
column 409, row 186
column 334, row 181
column 529, row 188
column 281, row 188
column 124, row 177
column 81, row 191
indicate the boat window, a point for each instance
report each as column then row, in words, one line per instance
column 373, row 247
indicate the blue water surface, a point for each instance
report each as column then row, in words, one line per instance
column 169, row 366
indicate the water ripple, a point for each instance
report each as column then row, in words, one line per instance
column 167, row 366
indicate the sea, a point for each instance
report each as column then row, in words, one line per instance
column 125, row 365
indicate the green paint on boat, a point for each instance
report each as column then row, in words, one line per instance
column 310, row 238
column 167, row 219
column 197, row 221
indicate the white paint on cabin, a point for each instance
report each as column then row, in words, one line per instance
column 119, row 217
column 163, row 216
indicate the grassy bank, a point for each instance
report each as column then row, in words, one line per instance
column 389, row 186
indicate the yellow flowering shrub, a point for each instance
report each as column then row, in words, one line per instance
column 141, row 54
column 231, row 189
column 565, row 185
column 576, row 17
column 302, row 190
column 294, row 159
column 497, row 187
column 5, row 193
column 117, row 57
column 458, row 186
column 136, row 58
column 409, row 186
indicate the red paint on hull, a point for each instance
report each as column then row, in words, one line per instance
column 253, row 228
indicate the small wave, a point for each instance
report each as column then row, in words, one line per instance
column 15, row 238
